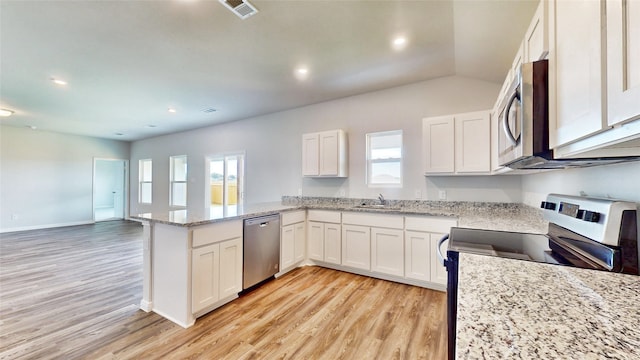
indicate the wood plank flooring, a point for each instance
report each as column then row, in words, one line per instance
column 73, row 293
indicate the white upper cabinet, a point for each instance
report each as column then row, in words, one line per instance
column 576, row 96
column 473, row 142
column 536, row 39
column 623, row 61
column 439, row 144
column 324, row 154
column 457, row 144
column 310, row 154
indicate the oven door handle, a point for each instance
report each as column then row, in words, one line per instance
column 505, row 118
column 439, row 252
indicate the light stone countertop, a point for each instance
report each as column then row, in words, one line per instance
column 187, row 218
column 514, row 309
column 479, row 215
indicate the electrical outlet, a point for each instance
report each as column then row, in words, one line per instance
column 442, row 195
column 14, row 216
column 299, row 191
column 342, row 193
column 418, row 194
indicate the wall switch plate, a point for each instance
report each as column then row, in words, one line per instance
column 418, row 194
column 14, row 216
column 442, row 195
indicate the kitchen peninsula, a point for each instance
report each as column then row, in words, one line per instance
column 180, row 287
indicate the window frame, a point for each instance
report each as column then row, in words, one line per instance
column 142, row 181
column 172, row 181
column 370, row 162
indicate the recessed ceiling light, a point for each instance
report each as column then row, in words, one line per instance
column 209, row 110
column 399, row 42
column 118, row 134
column 302, row 72
column 152, row 126
column 171, row 110
column 58, row 81
column 6, row 112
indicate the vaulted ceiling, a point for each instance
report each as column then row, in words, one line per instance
column 126, row 63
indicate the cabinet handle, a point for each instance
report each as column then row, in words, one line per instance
column 505, row 118
column 439, row 252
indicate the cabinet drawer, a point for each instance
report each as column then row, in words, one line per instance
column 324, row 216
column 377, row 220
column 292, row 217
column 430, row 224
column 213, row 233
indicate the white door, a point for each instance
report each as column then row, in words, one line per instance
column 332, row 243
column 109, row 189
column 417, row 255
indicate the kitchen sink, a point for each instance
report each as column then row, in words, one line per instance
column 377, row 206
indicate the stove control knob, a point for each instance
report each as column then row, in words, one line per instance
column 548, row 205
column 591, row 216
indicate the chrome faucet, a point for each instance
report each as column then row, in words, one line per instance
column 382, row 200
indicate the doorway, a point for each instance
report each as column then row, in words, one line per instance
column 226, row 182
column 109, row 189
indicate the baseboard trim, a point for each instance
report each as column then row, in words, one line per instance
column 47, row 226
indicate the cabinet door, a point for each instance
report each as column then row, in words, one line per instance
column 356, row 245
column 230, row 267
column 310, row 154
column 205, row 265
column 623, row 61
column 473, row 142
column 287, row 246
column 316, row 240
column 438, row 141
column 417, row 255
column 438, row 272
column 332, row 243
column 536, row 39
column 300, row 240
column 387, row 251
column 575, row 70
column 329, row 161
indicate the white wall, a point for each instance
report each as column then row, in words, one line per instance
column 46, row 178
column 620, row 181
column 273, row 147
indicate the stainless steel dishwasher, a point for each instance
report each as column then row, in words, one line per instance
column 261, row 249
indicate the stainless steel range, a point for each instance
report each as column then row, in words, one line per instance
column 600, row 234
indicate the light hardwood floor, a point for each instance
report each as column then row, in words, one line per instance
column 73, row 293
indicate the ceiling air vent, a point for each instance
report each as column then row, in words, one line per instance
column 242, row 8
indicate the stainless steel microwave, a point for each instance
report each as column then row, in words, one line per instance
column 523, row 137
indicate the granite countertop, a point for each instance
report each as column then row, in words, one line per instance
column 513, row 309
column 479, row 215
column 187, row 218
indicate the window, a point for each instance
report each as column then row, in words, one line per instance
column 144, row 179
column 384, row 158
column 178, row 181
column 226, row 178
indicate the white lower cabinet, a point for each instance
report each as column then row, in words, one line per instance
column 421, row 239
column 292, row 239
column 387, row 251
column 205, row 279
column 417, row 255
column 216, row 264
column 230, row 267
column 438, row 271
column 216, row 273
column 316, row 240
column 332, row 243
column 356, row 246
column 324, row 236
